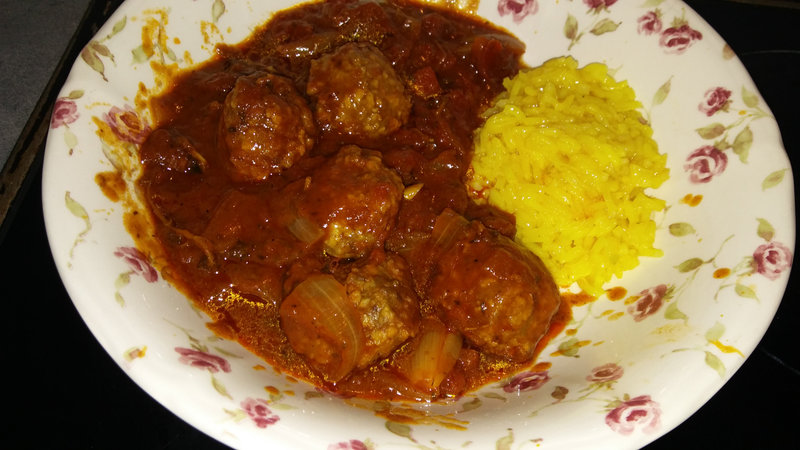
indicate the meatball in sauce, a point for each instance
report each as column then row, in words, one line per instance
column 353, row 200
column 357, row 92
column 307, row 192
column 266, row 126
column 495, row 292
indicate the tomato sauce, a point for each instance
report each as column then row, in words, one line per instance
column 257, row 180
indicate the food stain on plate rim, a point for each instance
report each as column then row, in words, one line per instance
column 702, row 307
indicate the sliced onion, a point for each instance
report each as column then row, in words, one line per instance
column 305, row 230
column 411, row 191
column 434, row 356
column 323, row 326
column 449, row 226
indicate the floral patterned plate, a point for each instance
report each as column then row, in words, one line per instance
column 631, row 366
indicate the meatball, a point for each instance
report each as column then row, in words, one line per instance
column 338, row 327
column 388, row 307
column 496, row 293
column 266, row 126
column 353, row 199
column 357, row 92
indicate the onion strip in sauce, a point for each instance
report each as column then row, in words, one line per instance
column 322, row 324
column 434, row 356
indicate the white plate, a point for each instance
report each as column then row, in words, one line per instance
column 629, row 370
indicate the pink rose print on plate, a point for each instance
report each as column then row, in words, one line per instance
column 649, row 23
column 352, row 444
column 705, row 163
column 605, row 373
column 637, row 412
column 676, row 40
column 772, row 259
column 527, row 381
column 518, row 9
column 258, row 411
column 126, row 124
column 715, row 99
column 599, row 4
column 65, row 111
column 138, row 262
column 202, row 360
column 650, row 301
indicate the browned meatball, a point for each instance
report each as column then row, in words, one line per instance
column 338, row 327
column 496, row 293
column 353, row 199
column 358, row 92
column 389, row 309
column 266, row 125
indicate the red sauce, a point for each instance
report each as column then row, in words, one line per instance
column 285, row 159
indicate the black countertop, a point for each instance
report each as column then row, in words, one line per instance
column 62, row 390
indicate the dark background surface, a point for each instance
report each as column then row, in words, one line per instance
column 61, row 390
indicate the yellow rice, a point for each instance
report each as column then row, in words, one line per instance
column 567, row 151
